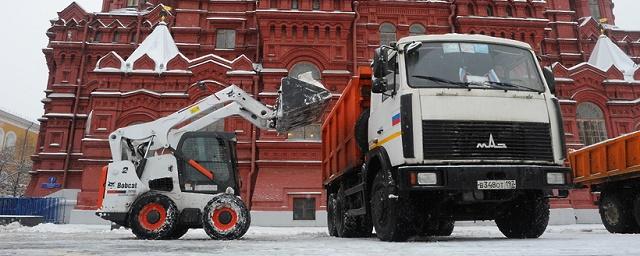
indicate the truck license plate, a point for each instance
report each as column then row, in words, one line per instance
column 496, row 184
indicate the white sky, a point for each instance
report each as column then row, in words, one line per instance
column 23, row 71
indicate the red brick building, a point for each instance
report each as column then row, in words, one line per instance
column 96, row 84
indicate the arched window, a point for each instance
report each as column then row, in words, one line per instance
column 116, row 37
column 472, row 9
column 591, row 125
column 132, row 3
column 387, row 33
column 10, row 140
column 509, row 11
column 97, row 37
column 594, row 7
column 528, row 11
column 1, row 138
column 417, row 29
column 310, row 132
column 490, row 10
column 304, row 67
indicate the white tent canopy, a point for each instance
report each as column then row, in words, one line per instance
column 159, row 46
column 607, row 54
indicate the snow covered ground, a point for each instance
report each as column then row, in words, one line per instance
column 50, row 239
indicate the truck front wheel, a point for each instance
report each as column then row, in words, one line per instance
column 616, row 212
column 391, row 215
column 525, row 217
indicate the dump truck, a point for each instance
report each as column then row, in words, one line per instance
column 444, row 128
column 612, row 168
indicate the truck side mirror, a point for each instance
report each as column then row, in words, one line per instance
column 379, row 85
column 551, row 80
column 380, row 63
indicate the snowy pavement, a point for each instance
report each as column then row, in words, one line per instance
column 50, row 239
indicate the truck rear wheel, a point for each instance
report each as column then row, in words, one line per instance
column 525, row 217
column 616, row 212
column 153, row 216
column 391, row 216
column 225, row 217
column 350, row 226
column 331, row 214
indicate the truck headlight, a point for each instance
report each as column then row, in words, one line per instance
column 427, row 178
column 555, row 178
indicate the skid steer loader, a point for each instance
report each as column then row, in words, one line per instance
column 167, row 176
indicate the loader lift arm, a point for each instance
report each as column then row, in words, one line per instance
column 161, row 133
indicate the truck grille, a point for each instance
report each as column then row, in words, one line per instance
column 471, row 140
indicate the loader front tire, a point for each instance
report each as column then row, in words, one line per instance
column 153, row 217
column 225, row 217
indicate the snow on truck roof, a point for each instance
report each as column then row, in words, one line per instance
column 464, row 38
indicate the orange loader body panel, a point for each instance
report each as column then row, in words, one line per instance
column 340, row 152
column 616, row 158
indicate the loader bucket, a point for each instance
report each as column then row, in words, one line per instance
column 300, row 103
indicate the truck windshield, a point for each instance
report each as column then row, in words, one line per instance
column 451, row 64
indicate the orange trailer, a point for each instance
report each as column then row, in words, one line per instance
column 340, row 152
column 612, row 167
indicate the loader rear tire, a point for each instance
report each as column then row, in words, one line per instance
column 362, row 131
column 225, row 217
column 616, row 212
column 525, row 217
column 153, row 217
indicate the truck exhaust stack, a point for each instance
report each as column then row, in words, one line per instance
column 301, row 102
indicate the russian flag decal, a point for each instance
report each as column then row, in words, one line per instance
column 395, row 119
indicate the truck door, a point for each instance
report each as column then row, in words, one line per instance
column 384, row 121
column 216, row 152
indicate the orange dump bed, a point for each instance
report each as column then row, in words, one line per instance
column 612, row 159
column 340, row 152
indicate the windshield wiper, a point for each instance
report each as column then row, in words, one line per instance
column 509, row 85
column 442, row 80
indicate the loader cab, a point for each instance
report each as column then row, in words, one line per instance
column 216, row 151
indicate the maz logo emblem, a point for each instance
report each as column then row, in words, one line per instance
column 492, row 144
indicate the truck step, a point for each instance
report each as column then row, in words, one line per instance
column 357, row 212
column 355, row 189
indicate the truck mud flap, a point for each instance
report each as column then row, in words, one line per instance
column 299, row 104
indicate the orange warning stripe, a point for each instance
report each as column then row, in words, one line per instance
column 201, row 169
